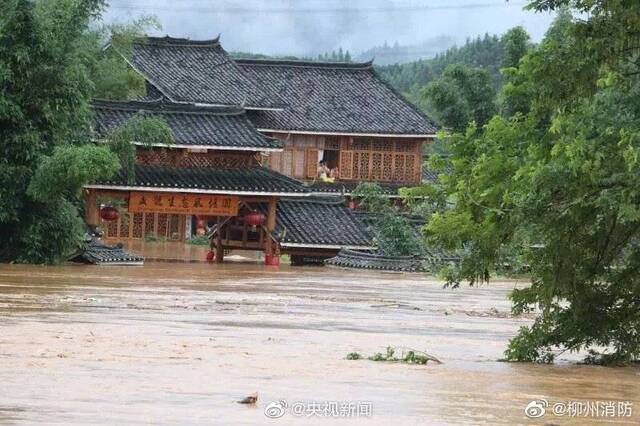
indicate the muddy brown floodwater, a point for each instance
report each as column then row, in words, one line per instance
column 181, row 343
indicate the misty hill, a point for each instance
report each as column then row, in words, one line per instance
column 399, row 54
column 484, row 52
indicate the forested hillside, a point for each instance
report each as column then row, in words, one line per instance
column 485, row 52
column 461, row 80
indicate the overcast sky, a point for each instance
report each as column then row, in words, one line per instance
column 308, row 27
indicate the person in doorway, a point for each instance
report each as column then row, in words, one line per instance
column 334, row 173
column 324, row 172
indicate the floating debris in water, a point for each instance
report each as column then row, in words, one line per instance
column 251, row 399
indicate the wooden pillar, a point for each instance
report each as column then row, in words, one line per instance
column 219, row 248
column 91, row 211
column 271, row 226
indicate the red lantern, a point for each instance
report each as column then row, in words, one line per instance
column 254, row 219
column 109, row 214
column 211, row 256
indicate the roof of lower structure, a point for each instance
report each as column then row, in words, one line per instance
column 319, row 223
column 347, row 187
column 211, row 127
column 240, row 181
column 432, row 175
column 333, row 98
column 198, row 71
column 98, row 253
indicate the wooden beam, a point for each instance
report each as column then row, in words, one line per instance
column 91, row 210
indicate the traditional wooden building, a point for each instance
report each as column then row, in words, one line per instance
column 249, row 138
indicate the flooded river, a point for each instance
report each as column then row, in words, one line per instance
column 181, row 343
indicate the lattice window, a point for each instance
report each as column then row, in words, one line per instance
column 163, row 225
column 355, row 170
column 123, row 230
column 136, row 231
column 111, row 229
column 409, row 168
column 364, row 165
column 387, row 167
column 183, row 158
column 153, row 156
column 376, row 166
column 149, row 224
column 398, row 171
column 197, row 161
column 345, row 164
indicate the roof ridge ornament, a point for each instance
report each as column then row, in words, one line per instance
column 167, row 40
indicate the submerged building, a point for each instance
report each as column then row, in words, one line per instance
column 249, row 138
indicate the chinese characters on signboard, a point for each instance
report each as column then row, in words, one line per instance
column 206, row 205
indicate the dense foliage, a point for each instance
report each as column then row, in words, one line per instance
column 461, row 95
column 394, row 233
column 489, row 52
column 51, row 65
column 460, row 84
column 141, row 129
column 110, row 73
column 555, row 179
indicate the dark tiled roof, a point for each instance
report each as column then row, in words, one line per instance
column 364, row 260
column 315, row 222
column 347, row 187
column 432, row 176
column 98, row 253
column 191, row 125
column 197, row 71
column 241, row 180
column 333, row 97
column 430, row 262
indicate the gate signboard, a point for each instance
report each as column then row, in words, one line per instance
column 176, row 203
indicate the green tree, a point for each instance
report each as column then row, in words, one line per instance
column 461, row 95
column 557, row 182
column 45, row 88
column 143, row 129
column 515, row 43
column 110, row 73
column 395, row 234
